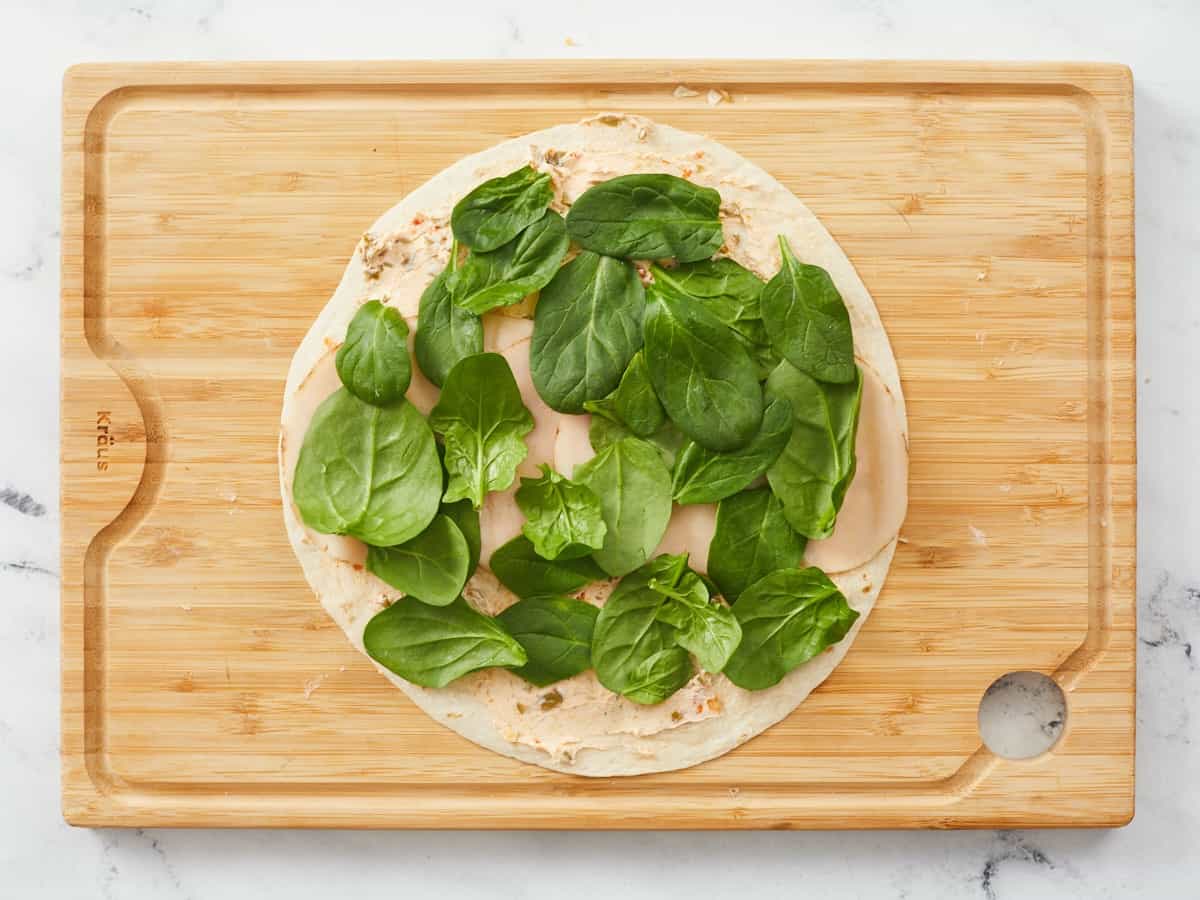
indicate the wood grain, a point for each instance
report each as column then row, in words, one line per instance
column 208, row 211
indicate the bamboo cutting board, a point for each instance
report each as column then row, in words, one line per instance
column 208, row 213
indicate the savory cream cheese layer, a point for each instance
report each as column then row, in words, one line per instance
column 579, row 713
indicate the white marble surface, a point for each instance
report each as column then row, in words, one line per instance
column 1157, row 856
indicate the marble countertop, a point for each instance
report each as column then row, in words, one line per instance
column 1156, row 856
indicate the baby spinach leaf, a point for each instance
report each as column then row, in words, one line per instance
column 603, row 432
column 731, row 293
column 367, row 471
column 633, row 652
column 466, row 517
column 816, row 467
column 688, row 589
column 587, row 327
column 706, row 381
column 481, row 418
column 556, row 633
column 654, row 678
column 703, row 476
column 634, row 488
column 373, row 363
column 719, row 284
column 787, row 618
column 707, row 630
column 808, row 323
column 668, row 441
column 513, row 271
column 752, row 539
column 666, row 569
column 501, row 208
column 562, row 519
column 526, row 574
column 434, row 645
column 634, row 403
column 713, row 590
column 752, row 335
column 648, row 217
column 432, row 567
column 446, row 333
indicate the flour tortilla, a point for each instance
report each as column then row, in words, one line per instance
column 577, row 726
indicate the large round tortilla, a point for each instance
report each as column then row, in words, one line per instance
column 578, row 726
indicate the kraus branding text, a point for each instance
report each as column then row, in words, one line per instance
column 104, row 438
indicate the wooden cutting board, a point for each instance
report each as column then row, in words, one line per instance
column 208, row 213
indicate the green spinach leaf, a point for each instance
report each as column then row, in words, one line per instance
column 481, row 418
column 587, row 327
column 633, row 404
column 648, row 217
column 373, row 362
column 654, row 678
column 526, row 574
column 752, row 539
column 633, row 651
column 434, row 645
column 563, row 519
column 556, row 633
column 466, row 517
column 446, row 333
column 703, row 476
column 731, row 292
column 720, row 284
column 708, row 630
column 513, row 271
column 666, row 568
column 706, row 381
column 432, row 567
column 787, row 618
column 367, row 471
column 501, row 208
column 634, row 488
column 604, row 432
column 808, row 323
column 668, row 440
column 816, row 467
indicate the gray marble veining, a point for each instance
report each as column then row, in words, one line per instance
column 1155, row 857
